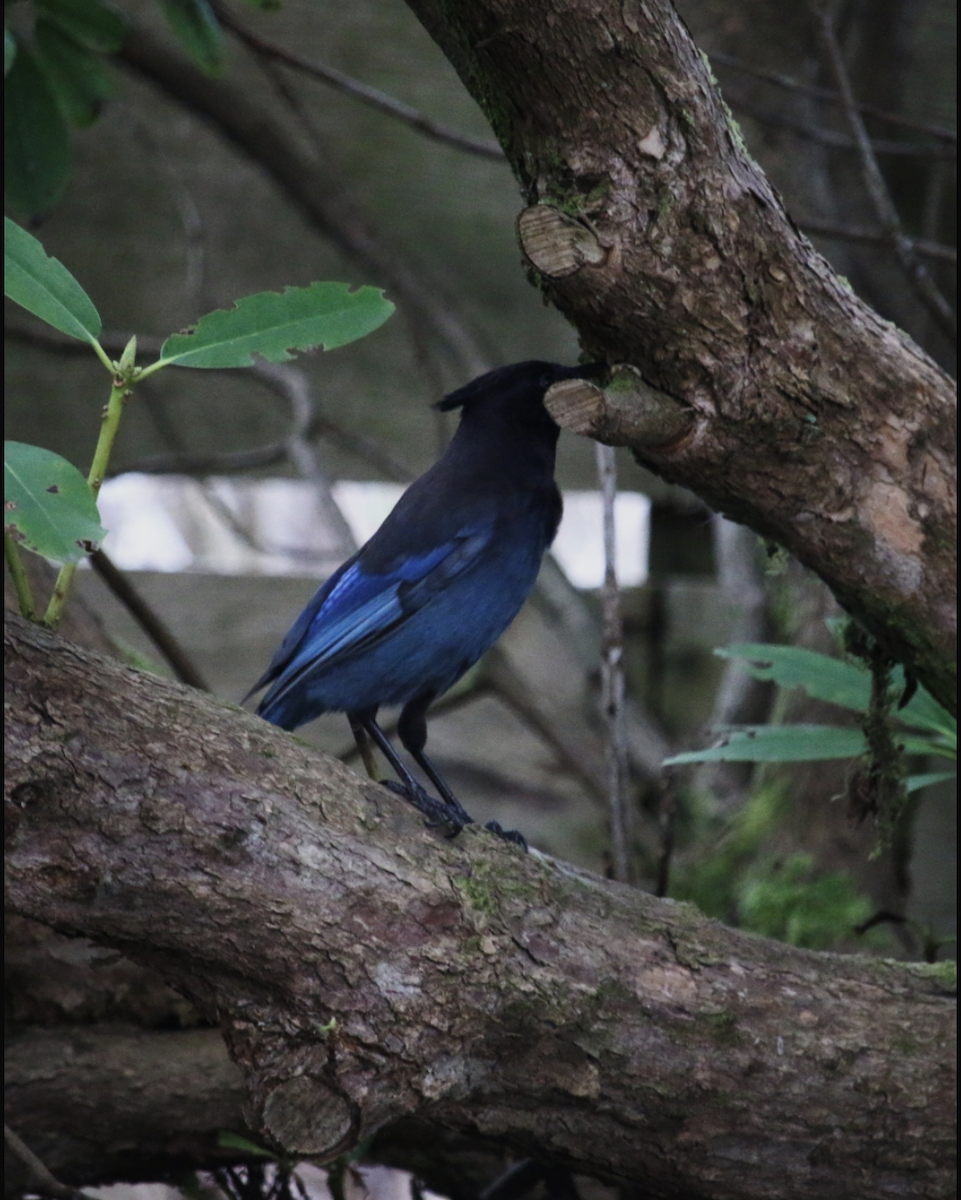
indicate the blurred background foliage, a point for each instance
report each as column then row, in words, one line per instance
column 178, row 156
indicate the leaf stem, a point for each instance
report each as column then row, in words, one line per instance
column 156, row 366
column 21, row 584
column 98, row 470
column 102, row 355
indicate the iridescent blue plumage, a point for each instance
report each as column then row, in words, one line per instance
column 437, row 584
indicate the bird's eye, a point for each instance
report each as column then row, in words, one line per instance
column 545, row 382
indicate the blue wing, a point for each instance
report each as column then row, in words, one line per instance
column 355, row 610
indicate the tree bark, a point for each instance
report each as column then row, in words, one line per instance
column 363, row 968
column 100, row 1103
column 778, row 396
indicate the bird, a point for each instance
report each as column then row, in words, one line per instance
column 438, row 583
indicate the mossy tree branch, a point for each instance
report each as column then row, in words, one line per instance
column 363, row 968
column 648, row 225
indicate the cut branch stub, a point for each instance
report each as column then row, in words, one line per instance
column 305, row 1116
column 628, row 412
column 557, row 244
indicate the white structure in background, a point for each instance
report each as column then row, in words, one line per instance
column 278, row 527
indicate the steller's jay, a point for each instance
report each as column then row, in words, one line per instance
column 437, row 584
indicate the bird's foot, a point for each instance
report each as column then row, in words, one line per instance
column 438, row 814
column 508, row 835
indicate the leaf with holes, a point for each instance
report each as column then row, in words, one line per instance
column 273, row 324
column 48, row 506
column 779, row 743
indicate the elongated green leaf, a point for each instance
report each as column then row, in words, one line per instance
column 194, row 23
column 913, row 744
column 924, row 712
column 272, row 324
column 79, row 78
column 9, row 50
column 823, row 677
column 779, row 743
column 95, row 25
column 43, row 285
column 914, row 783
column 233, row 1141
column 837, row 682
column 36, row 146
column 48, row 506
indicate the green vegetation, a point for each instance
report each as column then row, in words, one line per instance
column 49, row 508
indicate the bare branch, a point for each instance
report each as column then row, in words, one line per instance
column 307, row 181
column 820, row 93
column 227, row 462
column 612, row 677
column 876, row 237
column 877, row 189
column 371, row 96
column 841, row 141
column 149, row 621
column 41, row 1180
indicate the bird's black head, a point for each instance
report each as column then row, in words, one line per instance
column 515, row 393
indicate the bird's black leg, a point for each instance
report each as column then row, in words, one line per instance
column 437, row 813
column 412, row 731
column 364, row 747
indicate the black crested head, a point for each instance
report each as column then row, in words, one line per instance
column 515, row 392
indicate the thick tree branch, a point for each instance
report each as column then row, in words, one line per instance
column 809, row 418
column 364, row 968
column 106, row 1102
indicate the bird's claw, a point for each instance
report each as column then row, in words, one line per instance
column 508, row 835
column 438, row 814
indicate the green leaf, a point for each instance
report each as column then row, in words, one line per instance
column 233, row 1141
column 914, row 783
column 823, row 677
column 36, row 150
column 79, row 79
column 837, row 682
column 9, row 50
column 198, row 30
column 43, row 285
column 924, row 712
column 779, row 743
column 925, row 745
column 272, row 324
column 92, row 24
column 48, row 506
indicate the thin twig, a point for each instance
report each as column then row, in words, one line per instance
column 371, row 96
column 40, row 1178
column 152, row 625
column 304, row 456
column 228, row 462
column 840, row 141
column 877, row 189
column 875, row 237
column 612, row 676
column 820, row 93
column 667, row 813
column 308, row 182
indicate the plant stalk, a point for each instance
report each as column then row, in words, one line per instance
column 21, row 584
column 98, row 470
